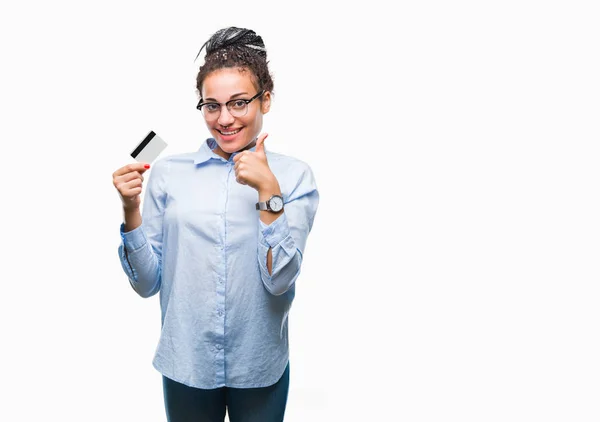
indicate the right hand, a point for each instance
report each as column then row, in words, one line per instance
column 128, row 181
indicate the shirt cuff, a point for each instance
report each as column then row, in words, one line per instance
column 275, row 232
column 134, row 239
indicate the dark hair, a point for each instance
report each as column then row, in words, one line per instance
column 236, row 48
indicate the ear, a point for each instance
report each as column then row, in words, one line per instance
column 265, row 104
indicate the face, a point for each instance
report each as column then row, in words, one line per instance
column 234, row 133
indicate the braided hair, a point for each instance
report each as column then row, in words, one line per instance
column 236, row 48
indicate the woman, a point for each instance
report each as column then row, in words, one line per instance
column 221, row 237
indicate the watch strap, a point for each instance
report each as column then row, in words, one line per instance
column 266, row 205
column 262, row 206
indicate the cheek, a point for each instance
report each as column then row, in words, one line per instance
column 253, row 122
column 258, row 119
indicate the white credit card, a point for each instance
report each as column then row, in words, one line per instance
column 149, row 149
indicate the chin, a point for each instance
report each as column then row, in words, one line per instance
column 230, row 147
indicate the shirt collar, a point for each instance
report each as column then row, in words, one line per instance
column 205, row 152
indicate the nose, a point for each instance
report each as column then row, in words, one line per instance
column 225, row 118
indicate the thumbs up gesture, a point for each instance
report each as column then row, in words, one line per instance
column 251, row 167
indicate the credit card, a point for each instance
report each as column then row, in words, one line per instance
column 149, row 149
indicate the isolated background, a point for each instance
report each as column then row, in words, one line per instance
column 452, row 272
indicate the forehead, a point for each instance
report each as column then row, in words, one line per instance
column 223, row 83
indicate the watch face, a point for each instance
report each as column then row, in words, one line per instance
column 276, row 203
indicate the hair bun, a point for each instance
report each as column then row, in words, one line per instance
column 232, row 36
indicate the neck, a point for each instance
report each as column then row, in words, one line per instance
column 226, row 155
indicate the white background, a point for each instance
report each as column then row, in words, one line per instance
column 452, row 271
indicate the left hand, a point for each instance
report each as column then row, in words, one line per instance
column 251, row 167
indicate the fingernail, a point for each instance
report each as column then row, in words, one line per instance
column 146, row 166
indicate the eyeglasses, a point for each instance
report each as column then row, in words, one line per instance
column 237, row 107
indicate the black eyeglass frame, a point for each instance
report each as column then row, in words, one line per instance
column 200, row 103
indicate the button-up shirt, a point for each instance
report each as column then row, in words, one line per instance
column 202, row 245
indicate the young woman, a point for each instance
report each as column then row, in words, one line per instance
column 221, row 235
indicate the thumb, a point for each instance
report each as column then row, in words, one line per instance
column 260, row 143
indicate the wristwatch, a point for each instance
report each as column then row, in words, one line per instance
column 273, row 204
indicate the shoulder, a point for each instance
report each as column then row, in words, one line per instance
column 288, row 164
column 294, row 175
column 173, row 160
column 165, row 168
column 184, row 157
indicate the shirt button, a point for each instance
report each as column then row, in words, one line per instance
column 220, row 312
column 219, row 346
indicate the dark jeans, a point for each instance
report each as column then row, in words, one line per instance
column 189, row 404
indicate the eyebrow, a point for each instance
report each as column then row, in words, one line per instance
column 231, row 98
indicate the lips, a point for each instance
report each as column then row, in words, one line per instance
column 230, row 133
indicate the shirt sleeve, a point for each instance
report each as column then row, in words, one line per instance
column 287, row 235
column 140, row 250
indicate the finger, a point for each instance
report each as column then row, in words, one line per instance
column 238, row 164
column 260, row 143
column 139, row 167
column 129, row 176
column 132, row 193
column 237, row 157
column 240, row 177
column 131, row 188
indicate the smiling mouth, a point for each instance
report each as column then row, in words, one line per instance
column 233, row 132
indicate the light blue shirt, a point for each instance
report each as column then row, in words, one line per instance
column 203, row 247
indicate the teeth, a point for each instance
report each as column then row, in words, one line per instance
column 230, row 133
